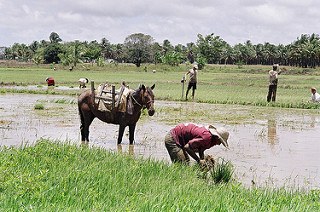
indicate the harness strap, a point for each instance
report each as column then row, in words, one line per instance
column 141, row 105
column 136, row 101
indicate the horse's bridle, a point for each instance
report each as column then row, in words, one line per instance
column 141, row 105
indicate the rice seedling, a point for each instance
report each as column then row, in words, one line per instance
column 222, row 171
column 55, row 175
column 39, row 106
column 65, row 101
column 214, row 84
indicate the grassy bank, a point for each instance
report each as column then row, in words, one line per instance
column 63, row 177
column 246, row 85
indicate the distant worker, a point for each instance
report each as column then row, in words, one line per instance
column 192, row 80
column 189, row 139
column 83, row 82
column 273, row 82
column 50, row 81
column 315, row 97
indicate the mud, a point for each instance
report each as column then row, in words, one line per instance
column 276, row 148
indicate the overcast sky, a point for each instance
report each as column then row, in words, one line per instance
column 179, row 21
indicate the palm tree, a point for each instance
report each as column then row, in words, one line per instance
column 211, row 47
column 54, row 38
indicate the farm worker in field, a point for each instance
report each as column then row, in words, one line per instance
column 50, row 81
column 192, row 80
column 315, row 97
column 186, row 140
column 273, row 82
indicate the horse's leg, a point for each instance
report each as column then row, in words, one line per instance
column 132, row 128
column 88, row 123
column 81, row 125
column 120, row 134
column 86, row 119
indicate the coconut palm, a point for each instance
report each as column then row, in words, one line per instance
column 54, row 38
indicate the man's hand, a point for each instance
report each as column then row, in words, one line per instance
column 202, row 163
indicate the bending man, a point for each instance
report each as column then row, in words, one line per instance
column 186, row 140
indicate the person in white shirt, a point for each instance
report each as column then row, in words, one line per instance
column 273, row 83
column 192, row 80
column 315, row 97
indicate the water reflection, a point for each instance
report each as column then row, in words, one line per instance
column 130, row 149
column 313, row 121
column 119, row 148
column 287, row 135
column 272, row 132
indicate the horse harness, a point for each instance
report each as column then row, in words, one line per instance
column 143, row 106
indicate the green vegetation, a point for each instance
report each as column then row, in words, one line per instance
column 65, row 101
column 39, row 106
column 139, row 48
column 54, row 176
column 217, row 84
column 222, row 171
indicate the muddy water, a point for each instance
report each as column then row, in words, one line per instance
column 274, row 148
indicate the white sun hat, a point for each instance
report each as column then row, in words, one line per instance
column 221, row 132
column 195, row 66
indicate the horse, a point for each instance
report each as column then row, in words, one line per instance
column 141, row 98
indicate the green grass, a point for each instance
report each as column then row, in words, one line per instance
column 39, row 106
column 53, row 176
column 222, row 172
column 217, row 84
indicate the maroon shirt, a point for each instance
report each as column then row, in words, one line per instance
column 50, row 81
column 198, row 137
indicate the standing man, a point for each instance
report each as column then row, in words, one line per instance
column 189, row 139
column 315, row 97
column 273, row 82
column 192, row 80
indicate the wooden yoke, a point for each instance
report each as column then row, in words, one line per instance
column 113, row 93
column 120, row 95
column 92, row 90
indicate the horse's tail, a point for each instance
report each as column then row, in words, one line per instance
column 81, row 115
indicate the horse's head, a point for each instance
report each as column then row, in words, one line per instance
column 147, row 98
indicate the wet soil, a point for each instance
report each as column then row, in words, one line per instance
column 271, row 147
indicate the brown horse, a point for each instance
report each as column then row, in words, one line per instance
column 141, row 98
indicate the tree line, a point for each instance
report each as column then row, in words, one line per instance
column 140, row 48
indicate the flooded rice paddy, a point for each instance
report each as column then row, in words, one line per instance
column 269, row 147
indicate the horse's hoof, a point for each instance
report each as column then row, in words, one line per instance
column 85, row 143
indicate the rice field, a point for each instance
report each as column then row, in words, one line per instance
column 58, row 176
column 54, row 175
column 216, row 84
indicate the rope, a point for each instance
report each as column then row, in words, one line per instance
column 136, row 101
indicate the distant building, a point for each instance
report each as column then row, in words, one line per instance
column 2, row 49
